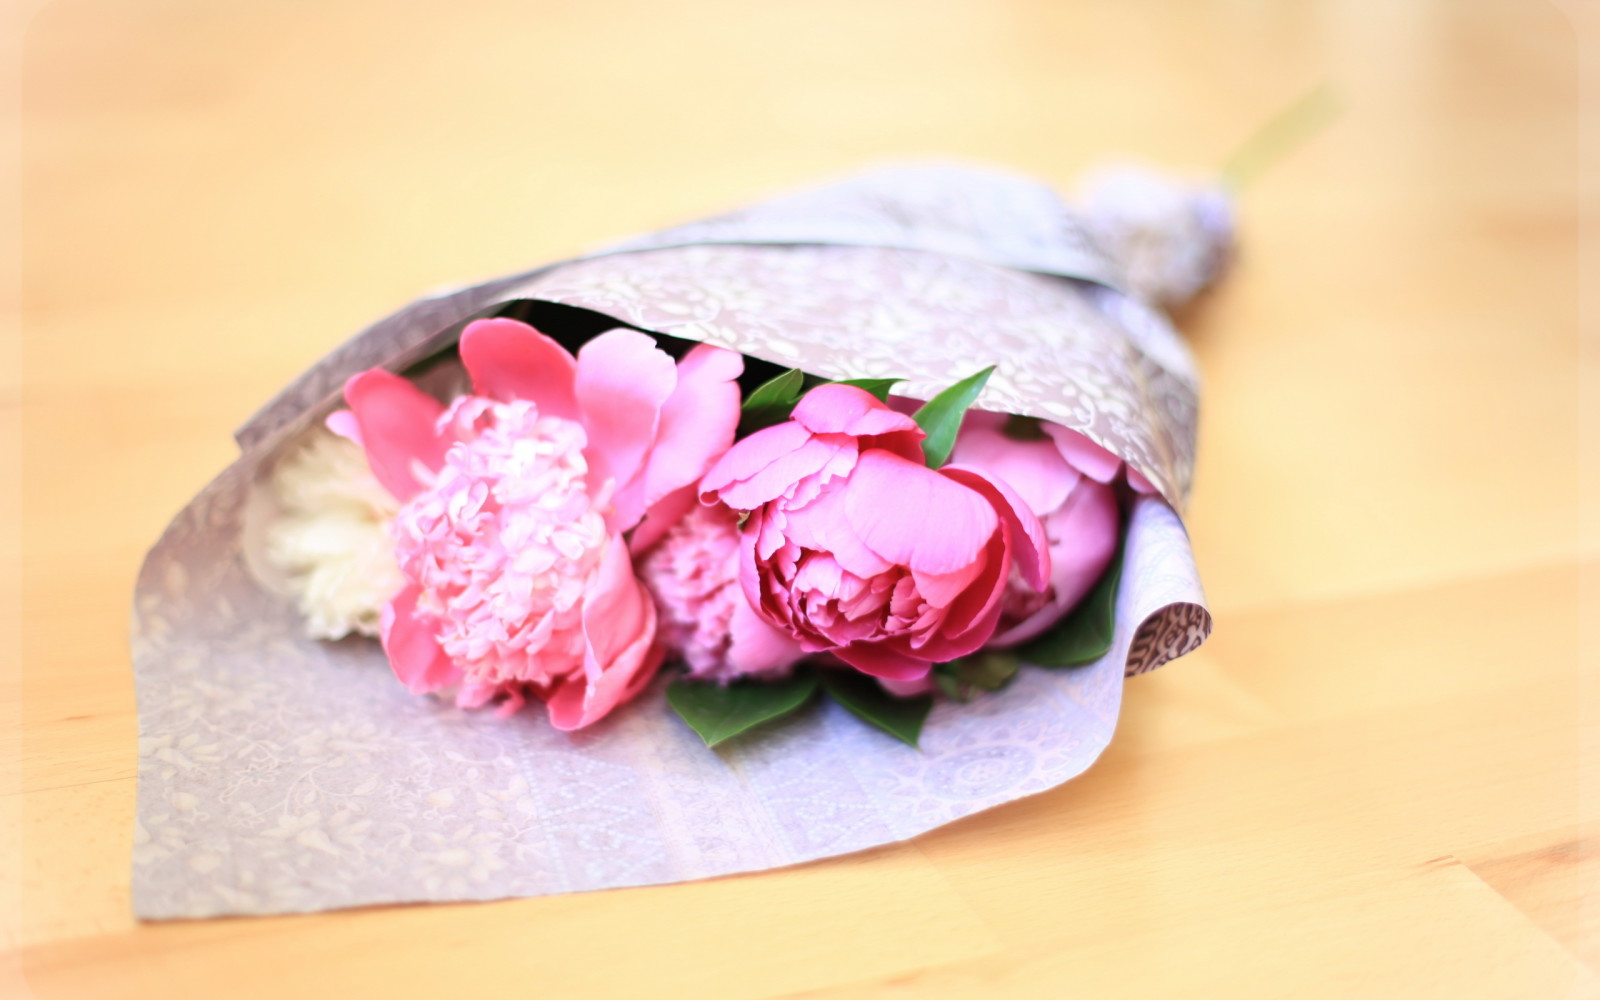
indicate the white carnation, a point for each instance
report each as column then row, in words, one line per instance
column 330, row 538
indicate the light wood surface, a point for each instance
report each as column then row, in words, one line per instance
column 1375, row 780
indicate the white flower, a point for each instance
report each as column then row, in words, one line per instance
column 331, row 538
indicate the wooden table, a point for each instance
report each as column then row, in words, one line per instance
column 1373, row 781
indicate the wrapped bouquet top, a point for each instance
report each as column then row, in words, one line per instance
column 916, row 439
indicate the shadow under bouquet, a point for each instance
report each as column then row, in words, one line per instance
column 776, row 536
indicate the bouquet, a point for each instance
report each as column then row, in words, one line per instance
column 779, row 535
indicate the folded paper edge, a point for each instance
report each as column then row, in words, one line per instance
column 1070, row 253
column 413, row 326
column 1155, row 642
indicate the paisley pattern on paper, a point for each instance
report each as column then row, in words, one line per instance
column 870, row 312
column 280, row 774
column 927, row 272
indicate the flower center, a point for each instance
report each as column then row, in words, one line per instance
column 846, row 608
column 505, row 542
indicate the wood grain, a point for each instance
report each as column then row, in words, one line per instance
column 1379, row 778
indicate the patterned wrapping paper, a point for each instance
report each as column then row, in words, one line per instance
column 282, row 774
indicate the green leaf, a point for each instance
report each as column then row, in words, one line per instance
column 720, row 713
column 773, row 400
column 940, row 417
column 952, row 688
column 877, row 386
column 1021, row 428
column 780, row 390
column 1084, row 635
column 861, row 696
column 770, row 402
column 985, row 670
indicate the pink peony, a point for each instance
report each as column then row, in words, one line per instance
column 1067, row 480
column 694, row 574
column 855, row 547
column 515, row 501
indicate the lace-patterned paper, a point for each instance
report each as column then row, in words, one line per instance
column 281, row 774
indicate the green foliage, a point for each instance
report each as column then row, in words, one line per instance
column 860, row 695
column 773, row 400
column 1020, row 428
column 1084, row 634
column 720, row 713
column 985, row 670
column 770, row 402
column 877, row 386
column 940, row 417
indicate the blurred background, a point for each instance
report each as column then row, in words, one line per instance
column 1387, row 512
column 205, row 179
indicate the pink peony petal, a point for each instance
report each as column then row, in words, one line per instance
column 574, row 702
column 616, row 609
column 908, row 689
column 698, row 421
column 848, row 409
column 1083, row 454
column 770, row 462
column 1029, row 548
column 972, row 618
column 912, row 516
column 987, row 420
column 940, row 589
column 1035, row 469
column 755, row 646
column 397, row 425
column 509, row 360
column 820, row 574
column 476, row 694
column 344, row 424
column 660, row 518
column 1084, row 535
column 512, row 705
column 763, row 591
column 824, row 526
column 564, row 704
column 622, row 382
column 619, row 627
column 882, row 662
column 1140, row 484
column 413, row 653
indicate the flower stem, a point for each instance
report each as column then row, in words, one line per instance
column 1289, row 128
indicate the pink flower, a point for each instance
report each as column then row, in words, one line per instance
column 855, row 547
column 514, row 503
column 915, row 688
column 1067, row 480
column 694, row 574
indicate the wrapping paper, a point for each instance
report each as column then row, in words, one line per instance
column 283, row 774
